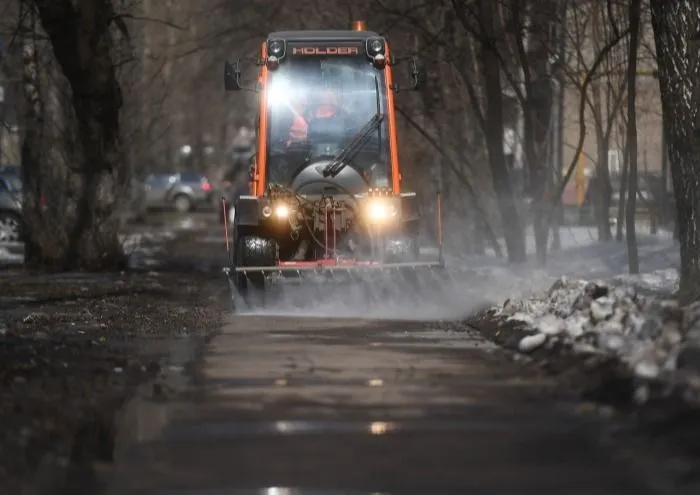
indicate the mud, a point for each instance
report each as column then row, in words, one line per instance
column 74, row 347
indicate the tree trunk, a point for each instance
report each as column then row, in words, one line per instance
column 664, row 175
column 538, row 187
column 602, row 192
column 510, row 219
column 83, row 46
column 632, row 255
column 622, row 202
column 534, row 57
column 602, row 120
column 35, row 250
column 562, row 13
column 675, row 31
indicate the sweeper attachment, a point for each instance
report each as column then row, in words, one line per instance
column 326, row 199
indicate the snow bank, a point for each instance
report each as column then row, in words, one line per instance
column 140, row 241
column 143, row 249
column 657, row 338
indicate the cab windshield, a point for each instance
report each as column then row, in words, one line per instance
column 316, row 106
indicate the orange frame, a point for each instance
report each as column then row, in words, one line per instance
column 258, row 179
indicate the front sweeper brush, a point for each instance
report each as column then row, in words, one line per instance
column 326, row 201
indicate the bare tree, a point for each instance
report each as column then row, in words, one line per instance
column 82, row 42
column 622, row 202
column 631, row 213
column 675, row 25
column 33, row 158
column 608, row 92
column 494, row 131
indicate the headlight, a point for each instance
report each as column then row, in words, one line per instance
column 282, row 211
column 379, row 210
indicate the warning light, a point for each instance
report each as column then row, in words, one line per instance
column 359, row 26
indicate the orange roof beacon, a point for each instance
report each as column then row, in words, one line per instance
column 325, row 183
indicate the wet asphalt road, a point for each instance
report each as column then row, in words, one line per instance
column 355, row 406
column 287, row 405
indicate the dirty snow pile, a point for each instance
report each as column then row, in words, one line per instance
column 140, row 241
column 656, row 338
column 143, row 248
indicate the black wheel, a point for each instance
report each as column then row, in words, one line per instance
column 10, row 227
column 252, row 251
column 182, row 203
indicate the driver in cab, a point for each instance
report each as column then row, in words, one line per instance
column 324, row 106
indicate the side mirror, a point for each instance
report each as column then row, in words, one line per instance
column 418, row 74
column 232, row 76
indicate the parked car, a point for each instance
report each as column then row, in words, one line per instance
column 10, row 169
column 183, row 191
column 10, row 208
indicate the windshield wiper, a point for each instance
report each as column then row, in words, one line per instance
column 341, row 159
column 345, row 155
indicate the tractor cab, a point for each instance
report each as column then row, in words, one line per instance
column 326, row 104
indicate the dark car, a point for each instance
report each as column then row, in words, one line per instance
column 182, row 191
column 10, row 207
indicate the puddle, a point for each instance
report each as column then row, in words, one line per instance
column 198, row 431
column 274, row 490
column 11, row 302
column 439, row 339
column 295, row 381
column 141, row 420
column 144, row 418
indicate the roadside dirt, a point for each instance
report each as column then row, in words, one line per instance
column 72, row 349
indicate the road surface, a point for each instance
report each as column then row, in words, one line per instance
column 354, row 406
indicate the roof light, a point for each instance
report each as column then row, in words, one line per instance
column 359, row 26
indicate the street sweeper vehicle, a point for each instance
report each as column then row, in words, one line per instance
column 325, row 191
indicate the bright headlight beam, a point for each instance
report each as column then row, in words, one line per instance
column 282, row 211
column 381, row 210
column 279, row 91
column 378, row 210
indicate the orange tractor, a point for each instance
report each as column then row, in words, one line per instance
column 325, row 191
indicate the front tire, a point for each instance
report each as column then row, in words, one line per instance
column 10, row 227
column 253, row 251
column 182, row 203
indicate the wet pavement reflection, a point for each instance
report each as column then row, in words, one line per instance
column 355, row 406
column 276, row 490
